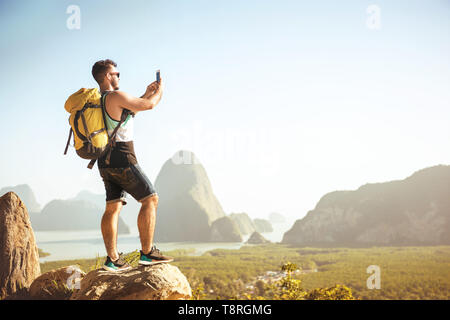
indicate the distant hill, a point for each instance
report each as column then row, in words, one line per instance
column 413, row 211
column 128, row 213
column 26, row 194
column 275, row 217
column 71, row 215
column 225, row 229
column 98, row 199
column 257, row 238
column 244, row 222
column 248, row 226
column 262, row 225
column 187, row 204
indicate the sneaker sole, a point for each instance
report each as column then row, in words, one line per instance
column 116, row 270
column 148, row 263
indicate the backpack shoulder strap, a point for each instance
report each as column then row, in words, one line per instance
column 68, row 141
column 103, row 98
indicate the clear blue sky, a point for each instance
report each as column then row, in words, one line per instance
column 282, row 101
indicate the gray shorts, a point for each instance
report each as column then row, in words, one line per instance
column 120, row 181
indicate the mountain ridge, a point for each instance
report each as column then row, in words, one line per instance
column 412, row 211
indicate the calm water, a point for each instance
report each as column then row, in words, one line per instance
column 68, row 245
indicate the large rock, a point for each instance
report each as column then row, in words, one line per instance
column 225, row 229
column 158, row 282
column 27, row 196
column 413, row 211
column 187, row 205
column 56, row 284
column 19, row 257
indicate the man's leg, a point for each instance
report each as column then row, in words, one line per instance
column 146, row 222
column 109, row 224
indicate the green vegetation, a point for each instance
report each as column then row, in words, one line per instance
column 289, row 288
column 406, row 272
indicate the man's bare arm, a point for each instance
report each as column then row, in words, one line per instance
column 147, row 101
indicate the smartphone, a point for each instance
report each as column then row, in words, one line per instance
column 158, row 76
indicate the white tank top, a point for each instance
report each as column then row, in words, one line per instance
column 125, row 132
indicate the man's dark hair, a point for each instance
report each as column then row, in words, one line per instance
column 100, row 68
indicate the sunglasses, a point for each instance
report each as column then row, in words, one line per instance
column 116, row 73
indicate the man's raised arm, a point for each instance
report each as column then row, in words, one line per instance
column 147, row 101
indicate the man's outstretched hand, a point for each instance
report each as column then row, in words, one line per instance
column 154, row 88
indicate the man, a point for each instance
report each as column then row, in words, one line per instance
column 122, row 174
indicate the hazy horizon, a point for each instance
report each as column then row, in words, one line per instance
column 282, row 102
column 290, row 219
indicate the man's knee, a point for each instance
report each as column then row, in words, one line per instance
column 113, row 208
column 151, row 201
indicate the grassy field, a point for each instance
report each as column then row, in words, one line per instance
column 405, row 272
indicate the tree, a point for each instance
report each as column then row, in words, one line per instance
column 338, row 292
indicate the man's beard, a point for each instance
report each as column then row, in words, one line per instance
column 116, row 87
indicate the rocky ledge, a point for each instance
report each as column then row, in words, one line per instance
column 20, row 276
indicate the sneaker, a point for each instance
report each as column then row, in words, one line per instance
column 116, row 266
column 153, row 257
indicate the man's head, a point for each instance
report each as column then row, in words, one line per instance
column 105, row 73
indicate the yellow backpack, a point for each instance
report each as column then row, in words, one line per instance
column 87, row 124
